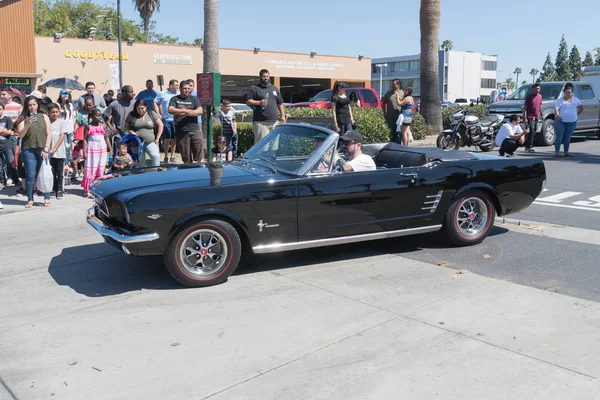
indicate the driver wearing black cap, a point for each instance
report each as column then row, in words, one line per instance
column 352, row 149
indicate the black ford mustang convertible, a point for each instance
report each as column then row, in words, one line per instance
column 288, row 192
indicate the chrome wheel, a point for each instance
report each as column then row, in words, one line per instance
column 203, row 252
column 472, row 217
column 550, row 133
column 450, row 142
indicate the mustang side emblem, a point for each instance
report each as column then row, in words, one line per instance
column 154, row 216
column 261, row 225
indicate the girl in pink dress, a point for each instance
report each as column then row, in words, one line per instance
column 95, row 146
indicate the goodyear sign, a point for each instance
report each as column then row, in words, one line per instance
column 95, row 55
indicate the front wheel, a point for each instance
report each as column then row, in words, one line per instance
column 203, row 253
column 486, row 146
column 449, row 141
column 548, row 136
column 470, row 218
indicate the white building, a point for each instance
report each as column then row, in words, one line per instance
column 463, row 74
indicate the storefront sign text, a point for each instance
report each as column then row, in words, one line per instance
column 305, row 65
column 181, row 59
column 14, row 81
column 95, row 55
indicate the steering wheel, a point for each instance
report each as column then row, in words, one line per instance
column 339, row 165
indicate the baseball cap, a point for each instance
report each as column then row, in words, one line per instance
column 37, row 94
column 64, row 92
column 352, row 135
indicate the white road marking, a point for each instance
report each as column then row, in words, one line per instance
column 581, row 235
column 558, row 198
column 594, row 202
column 541, row 203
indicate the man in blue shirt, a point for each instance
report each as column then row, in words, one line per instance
column 149, row 94
column 162, row 103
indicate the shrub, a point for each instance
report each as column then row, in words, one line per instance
column 447, row 112
column 245, row 135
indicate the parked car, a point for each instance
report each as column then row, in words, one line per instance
column 465, row 102
column 587, row 124
column 288, row 193
column 367, row 96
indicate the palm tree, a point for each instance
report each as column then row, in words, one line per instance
column 447, row 45
column 146, row 8
column 523, row 83
column 429, row 18
column 517, row 72
column 210, row 41
column 533, row 73
column 509, row 82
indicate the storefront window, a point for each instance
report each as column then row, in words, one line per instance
column 295, row 90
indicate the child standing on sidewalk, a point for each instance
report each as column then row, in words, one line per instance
column 95, row 147
column 229, row 125
column 58, row 152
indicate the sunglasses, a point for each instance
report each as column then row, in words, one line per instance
column 349, row 143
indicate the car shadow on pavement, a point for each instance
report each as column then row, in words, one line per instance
column 98, row 270
column 348, row 252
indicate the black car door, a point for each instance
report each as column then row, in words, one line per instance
column 353, row 203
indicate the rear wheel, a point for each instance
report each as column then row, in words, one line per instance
column 547, row 135
column 203, row 253
column 486, row 146
column 470, row 218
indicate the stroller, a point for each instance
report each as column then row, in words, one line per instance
column 134, row 148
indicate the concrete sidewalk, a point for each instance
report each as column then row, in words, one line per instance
column 82, row 321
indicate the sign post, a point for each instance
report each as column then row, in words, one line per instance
column 209, row 95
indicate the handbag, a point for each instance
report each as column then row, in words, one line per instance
column 45, row 180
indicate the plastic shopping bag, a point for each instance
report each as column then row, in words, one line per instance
column 45, row 179
column 399, row 122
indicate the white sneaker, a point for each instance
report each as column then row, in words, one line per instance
column 1, row 205
column 9, row 182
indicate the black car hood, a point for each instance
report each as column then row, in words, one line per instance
column 191, row 175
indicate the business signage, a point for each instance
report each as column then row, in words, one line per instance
column 305, row 65
column 21, row 84
column 209, row 89
column 180, row 59
column 95, row 55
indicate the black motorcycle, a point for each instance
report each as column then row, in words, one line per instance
column 468, row 130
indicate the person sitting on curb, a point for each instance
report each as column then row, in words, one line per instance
column 510, row 136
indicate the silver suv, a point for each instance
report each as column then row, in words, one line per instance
column 587, row 124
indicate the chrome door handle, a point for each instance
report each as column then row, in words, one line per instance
column 411, row 175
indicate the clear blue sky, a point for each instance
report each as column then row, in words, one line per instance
column 520, row 34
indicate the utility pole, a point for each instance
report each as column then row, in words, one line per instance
column 380, row 66
column 120, row 40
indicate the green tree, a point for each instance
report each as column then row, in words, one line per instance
column 510, row 83
column 517, row 72
column 146, row 8
column 561, row 65
column 589, row 60
column 533, row 74
column 447, row 45
column 429, row 19
column 597, row 56
column 575, row 63
column 548, row 74
column 523, row 83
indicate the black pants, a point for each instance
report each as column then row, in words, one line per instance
column 530, row 137
column 6, row 169
column 508, row 146
column 58, row 169
column 394, row 135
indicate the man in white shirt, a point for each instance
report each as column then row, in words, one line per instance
column 510, row 136
column 352, row 149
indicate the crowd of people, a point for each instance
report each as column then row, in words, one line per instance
column 77, row 138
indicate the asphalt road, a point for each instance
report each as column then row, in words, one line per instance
column 566, row 265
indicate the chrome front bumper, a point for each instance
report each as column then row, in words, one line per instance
column 107, row 231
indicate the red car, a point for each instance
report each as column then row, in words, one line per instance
column 368, row 98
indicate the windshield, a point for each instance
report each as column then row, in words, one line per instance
column 325, row 95
column 550, row 91
column 287, row 147
column 461, row 101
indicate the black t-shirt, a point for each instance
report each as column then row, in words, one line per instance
column 221, row 155
column 5, row 141
column 342, row 109
column 270, row 111
column 187, row 124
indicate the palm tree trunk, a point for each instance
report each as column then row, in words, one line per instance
column 430, row 80
column 211, row 36
column 146, row 33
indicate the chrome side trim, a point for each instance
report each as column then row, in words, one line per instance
column 434, row 201
column 105, row 230
column 276, row 247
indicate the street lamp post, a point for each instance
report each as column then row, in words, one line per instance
column 380, row 66
column 119, row 41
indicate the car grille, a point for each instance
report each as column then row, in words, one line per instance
column 101, row 205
